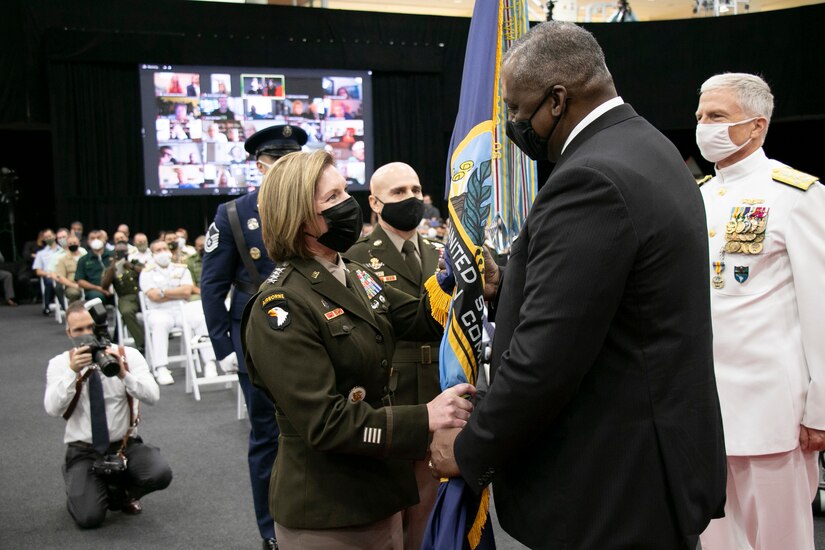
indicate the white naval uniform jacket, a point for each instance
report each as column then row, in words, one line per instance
column 769, row 330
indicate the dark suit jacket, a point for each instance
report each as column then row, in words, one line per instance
column 414, row 381
column 602, row 427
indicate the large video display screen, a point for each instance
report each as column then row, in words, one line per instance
column 196, row 119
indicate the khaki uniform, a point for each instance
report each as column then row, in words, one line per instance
column 322, row 353
column 127, row 286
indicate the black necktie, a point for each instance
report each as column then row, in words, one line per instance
column 97, row 408
column 408, row 248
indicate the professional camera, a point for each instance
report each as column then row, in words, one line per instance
column 99, row 342
column 112, row 464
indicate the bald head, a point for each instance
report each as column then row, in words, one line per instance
column 393, row 182
column 389, row 173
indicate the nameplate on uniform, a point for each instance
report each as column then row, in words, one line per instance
column 389, row 278
column 330, row 315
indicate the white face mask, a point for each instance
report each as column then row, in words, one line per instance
column 96, row 244
column 181, row 242
column 163, row 259
column 714, row 140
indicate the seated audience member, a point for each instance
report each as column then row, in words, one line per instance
column 124, row 274
column 61, row 234
column 123, row 228
column 104, row 236
column 178, row 254
column 121, row 237
column 142, row 253
column 7, row 280
column 90, row 269
column 77, row 229
column 40, row 267
column 167, row 287
column 430, row 211
column 99, row 410
column 195, row 265
column 183, row 239
column 65, row 271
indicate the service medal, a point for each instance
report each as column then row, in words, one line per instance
column 755, row 248
column 717, row 282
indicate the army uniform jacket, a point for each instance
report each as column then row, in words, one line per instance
column 415, row 376
column 322, row 353
column 768, row 303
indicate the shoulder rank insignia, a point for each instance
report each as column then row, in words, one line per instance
column 794, row 178
column 277, row 310
column 212, row 237
column 276, row 274
column 703, row 181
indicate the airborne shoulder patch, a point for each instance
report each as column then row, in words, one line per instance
column 276, row 307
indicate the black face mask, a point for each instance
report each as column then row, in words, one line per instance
column 521, row 133
column 173, row 245
column 73, row 247
column 344, row 223
column 121, row 254
column 403, row 215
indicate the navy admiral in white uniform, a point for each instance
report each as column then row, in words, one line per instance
column 767, row 257
column 235, row 257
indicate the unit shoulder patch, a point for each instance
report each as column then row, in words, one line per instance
column 794, row 178
column 276, row 307
column 701, row 182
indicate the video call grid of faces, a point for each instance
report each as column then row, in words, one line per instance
column 203, row 120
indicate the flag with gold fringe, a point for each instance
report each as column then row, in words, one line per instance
column 489, row 181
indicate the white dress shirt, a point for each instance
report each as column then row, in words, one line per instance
column 61, row 383
column 591, row 116
column 768, row 344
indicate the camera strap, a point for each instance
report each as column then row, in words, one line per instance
column 134, row 408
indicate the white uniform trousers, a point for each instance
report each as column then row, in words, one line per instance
column 162, row 321
column 768, row 504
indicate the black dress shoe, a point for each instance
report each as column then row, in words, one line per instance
column 132, row 507
column 47, row 312
column 270, row 544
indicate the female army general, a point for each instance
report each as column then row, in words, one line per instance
column 318, row 338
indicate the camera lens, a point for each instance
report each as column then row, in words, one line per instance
column 108, row 364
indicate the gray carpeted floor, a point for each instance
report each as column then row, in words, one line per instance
column 208, row 504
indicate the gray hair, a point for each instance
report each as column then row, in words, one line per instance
column 557, row 52
column 752, row 92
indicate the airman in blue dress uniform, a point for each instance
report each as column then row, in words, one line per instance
column 235, row 257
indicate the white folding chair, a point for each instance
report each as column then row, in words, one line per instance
column 147, row 336
column 54, row 306
column 123, row 335
column 193, row 362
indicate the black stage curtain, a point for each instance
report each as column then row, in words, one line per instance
column 72, row 68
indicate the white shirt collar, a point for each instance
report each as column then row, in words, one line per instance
column 744, row 167
column 591, row 116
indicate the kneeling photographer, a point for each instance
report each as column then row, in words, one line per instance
column 95, row 387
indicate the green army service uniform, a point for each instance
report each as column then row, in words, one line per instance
column 414, row 364
column 127, row 285
column 322, row 353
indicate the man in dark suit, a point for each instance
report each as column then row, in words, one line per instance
column 601, row 428
column 235, row 257
column 403, row 259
